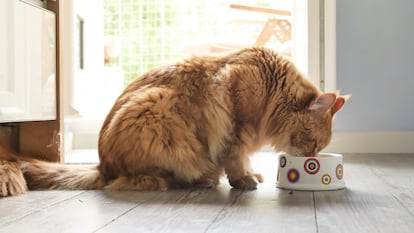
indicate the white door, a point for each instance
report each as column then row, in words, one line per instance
column 12, row 94
column 28, row 63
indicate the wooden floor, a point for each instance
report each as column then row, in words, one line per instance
column 379, row 198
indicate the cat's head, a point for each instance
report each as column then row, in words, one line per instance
column 312, row 128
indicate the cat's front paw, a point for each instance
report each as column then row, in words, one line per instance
column 247, row 182
column 12, row 181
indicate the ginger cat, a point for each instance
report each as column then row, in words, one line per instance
column 189, row 123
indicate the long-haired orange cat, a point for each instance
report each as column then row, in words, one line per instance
column 189, row 123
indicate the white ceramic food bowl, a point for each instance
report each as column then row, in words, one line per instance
column 324, row 172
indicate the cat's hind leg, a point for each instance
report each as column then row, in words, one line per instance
column 207, row 181
column 139, row 183
column 151, row 179
column 161, row 182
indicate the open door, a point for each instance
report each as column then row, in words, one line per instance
column 158, row 32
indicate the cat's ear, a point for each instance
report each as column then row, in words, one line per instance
column 340, row 101
column 323, row 103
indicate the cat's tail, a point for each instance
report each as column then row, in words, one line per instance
column 47, row 175
column 19, row 173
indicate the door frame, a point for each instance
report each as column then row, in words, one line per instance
column 314, row 49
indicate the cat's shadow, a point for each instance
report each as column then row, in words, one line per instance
column 222, row 195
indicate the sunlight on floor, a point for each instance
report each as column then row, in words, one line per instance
column 260, row 161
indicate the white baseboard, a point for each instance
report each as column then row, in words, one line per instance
column 372, row 142
column 342, row 142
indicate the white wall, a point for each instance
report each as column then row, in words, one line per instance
column 375, row 63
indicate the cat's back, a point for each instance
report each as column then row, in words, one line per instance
column 194, row 86
column 187, row 88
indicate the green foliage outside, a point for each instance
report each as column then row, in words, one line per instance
column 153, row 32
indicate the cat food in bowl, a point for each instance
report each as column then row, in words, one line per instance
column 324, row 172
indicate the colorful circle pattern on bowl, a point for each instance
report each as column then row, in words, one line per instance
column 324, row 172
